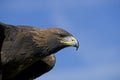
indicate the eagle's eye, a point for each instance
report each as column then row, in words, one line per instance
column 62, row 35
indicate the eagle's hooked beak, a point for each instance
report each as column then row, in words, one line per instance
column 71, row 41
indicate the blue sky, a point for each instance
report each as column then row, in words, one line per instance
column 95, row 23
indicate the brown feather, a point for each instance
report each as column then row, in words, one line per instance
column 27, row 52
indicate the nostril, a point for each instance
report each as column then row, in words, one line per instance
column 72, row 39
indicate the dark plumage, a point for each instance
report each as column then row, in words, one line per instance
column 28, row 52
column 2, row 36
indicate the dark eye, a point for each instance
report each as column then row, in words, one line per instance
column 61, row 35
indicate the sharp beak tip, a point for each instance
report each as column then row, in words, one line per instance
column 77, row 45
column 77, row 48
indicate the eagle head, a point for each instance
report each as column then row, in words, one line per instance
column 51, row 40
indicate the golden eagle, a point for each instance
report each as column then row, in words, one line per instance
column 28, row 52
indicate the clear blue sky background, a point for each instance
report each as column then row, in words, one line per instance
column 95, row 23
